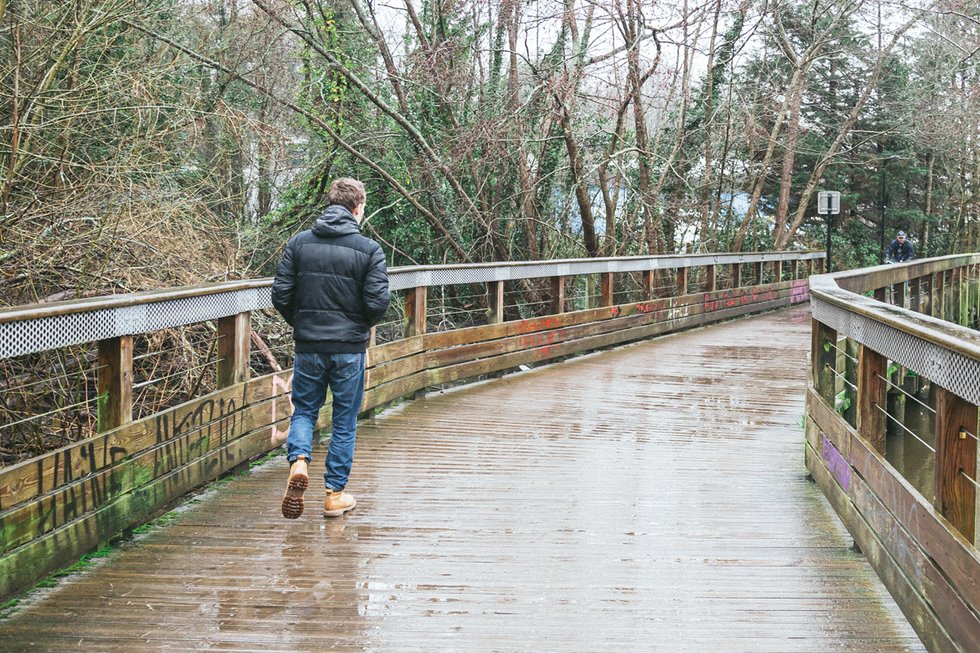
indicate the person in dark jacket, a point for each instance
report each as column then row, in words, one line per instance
column 900, row 249
column 332, row 287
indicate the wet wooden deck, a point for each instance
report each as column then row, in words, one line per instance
column 651, row 498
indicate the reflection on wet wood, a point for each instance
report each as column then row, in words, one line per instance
column 651, row 498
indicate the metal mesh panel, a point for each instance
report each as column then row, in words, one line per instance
column 957, row 373
column 40, row 334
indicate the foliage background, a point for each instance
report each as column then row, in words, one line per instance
column 147, row 143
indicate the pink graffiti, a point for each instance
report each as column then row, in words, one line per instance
column 651, row 307
column 714, row 301
column 529, row 326
column 544, row 341
column 799, row 291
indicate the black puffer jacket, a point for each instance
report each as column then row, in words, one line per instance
column 332, row 285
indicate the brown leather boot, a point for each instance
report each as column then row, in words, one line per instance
column 337, row 503
column 299, row 479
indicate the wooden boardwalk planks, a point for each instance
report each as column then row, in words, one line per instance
column 651, row 498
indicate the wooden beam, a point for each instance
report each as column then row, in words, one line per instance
column 415, row 311
column 681, row 281
column 495, row 303
column 871, row 394
column 850, row 364
column 648, row 277
column 956, row 459
column 898, row 294
column 115, row 382
column 777, row 271
column 234, row 348
column 710, row 282
column 557, row 295
column 824, row 359
column 606, row 288
column 757, row 273
column 915, row 293
column 736, row 275
column 943, row 292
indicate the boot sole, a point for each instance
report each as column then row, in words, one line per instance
column 338, row 513
column 292, row 502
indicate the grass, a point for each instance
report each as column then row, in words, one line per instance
column 163, row 520
column 261, row 460
column 86, row 561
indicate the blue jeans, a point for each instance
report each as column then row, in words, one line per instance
column 312, row 375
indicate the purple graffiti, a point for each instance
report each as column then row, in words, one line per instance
column 839, row 468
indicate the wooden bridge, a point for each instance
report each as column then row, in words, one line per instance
column 649, row 497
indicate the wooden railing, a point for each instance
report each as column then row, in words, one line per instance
column 63, row 503
column 895, row 350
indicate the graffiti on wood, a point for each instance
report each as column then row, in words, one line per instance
column 722, row 299
column 839, row 468
column 799, row 291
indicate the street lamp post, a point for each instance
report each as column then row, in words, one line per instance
column 883, row 198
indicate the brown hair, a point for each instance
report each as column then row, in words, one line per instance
column 347, row 192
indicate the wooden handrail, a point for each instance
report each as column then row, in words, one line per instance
column 923, row 550
column 466, row 274
column 844, row 290
column 58, row 505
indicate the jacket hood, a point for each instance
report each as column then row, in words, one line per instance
column 335, row 221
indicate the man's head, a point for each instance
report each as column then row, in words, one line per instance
column 350, row 194
column 901, row 237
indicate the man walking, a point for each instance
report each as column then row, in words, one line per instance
column 900, row 249
column 332, row 287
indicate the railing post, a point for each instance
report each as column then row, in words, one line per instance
column 824, row 359
column 681, row 281
column 736, row 275
column 915, row 290
column 757, row 273
column 495, row 303
column 557, row 295
column 956, row 456
column 648, row 284
column 777, row 271
column 898, row 294
column 115, row 382
column 415, row 311
column 947, row 295
column 710, row 281
column 851, row 361
column 963, row 296
column 871, row 397
column 881, row 294
column 606, row 288
column 234, row 348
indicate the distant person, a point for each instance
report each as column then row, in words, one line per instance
column 332, row 287
column 901, row 249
